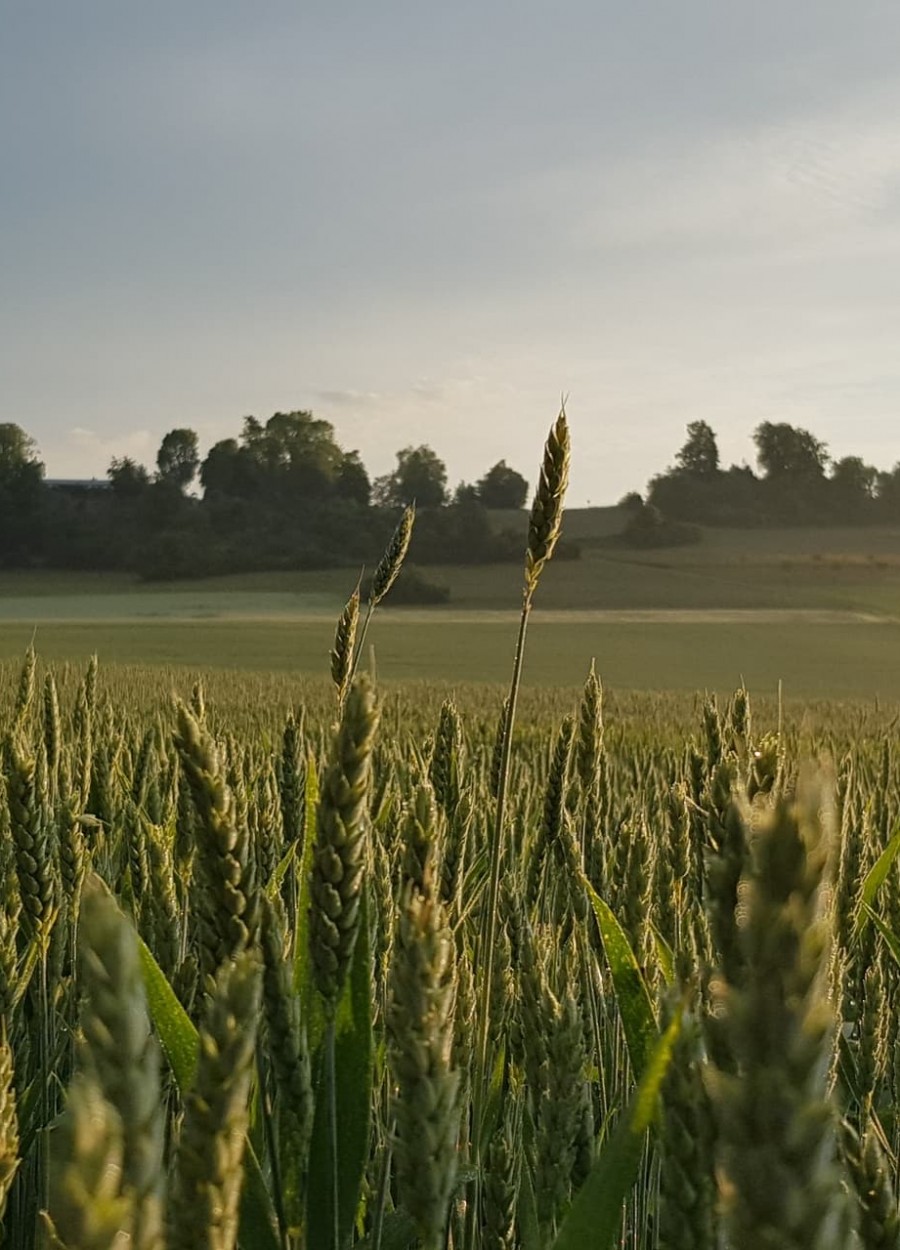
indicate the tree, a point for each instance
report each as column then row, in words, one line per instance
column 220, row 471
column 127, row 478
column 289, row 439
column 647, row 527
column 178, row 458
column 420, row 477
column 296, row 459
column 787, row 453
column 21, row 470
column 855, row 477
column 887, row 490
column 465, row 492
column 700, row 453
column 502, row 487
column 352, row 481
column 21, row 493
column 852, row 486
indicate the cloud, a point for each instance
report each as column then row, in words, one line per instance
column 824, row 181
column 85, row 453
column 349, row 398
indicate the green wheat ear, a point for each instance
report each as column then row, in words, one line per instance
column 420, row 1034
column 339, row 857
column 545, row 523
column 209, row 1172
column 781, row 1184
column 9, row 1122
column 391, row 562
column 226, row 888
column 344, row 645
column 120, row 1054
column 87, row 1207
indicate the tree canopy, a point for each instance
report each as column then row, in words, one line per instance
column 21, row 491
column 282, row 493
column 700, row 453
column 127, row 478
column 794, row 484
column 21, row 468
column 278, row 493
column 785, row 452
column 178, row 458
column 420, row 478
column 502, row 487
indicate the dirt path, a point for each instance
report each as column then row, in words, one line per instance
column 648, row 616
column 481, row 616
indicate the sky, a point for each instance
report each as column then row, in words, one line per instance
column 425, row 222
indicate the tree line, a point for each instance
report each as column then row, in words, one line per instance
column 797, row 483
column 282, row 494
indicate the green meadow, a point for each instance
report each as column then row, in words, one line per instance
column 818, row 610
column 814, row 660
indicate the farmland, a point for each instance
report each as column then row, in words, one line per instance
column 245, row 773
column 360, row 1015
column 818, row 610
column 393, row 854
column 830, row 660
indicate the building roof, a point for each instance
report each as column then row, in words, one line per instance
column 77, row 483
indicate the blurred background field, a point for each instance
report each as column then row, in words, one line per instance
column 813, row 660
column 817, row 609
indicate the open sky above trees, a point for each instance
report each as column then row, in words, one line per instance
column 425, row 222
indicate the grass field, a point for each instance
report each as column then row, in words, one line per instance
column 706, row 634
column 849, row 569
column 831, row 660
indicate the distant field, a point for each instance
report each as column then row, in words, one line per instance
column 851, row 569
column 844, row 660
column 818, row 608
column 191, row 603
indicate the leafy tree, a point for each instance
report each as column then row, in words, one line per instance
column 220, row 472
column 420, row 477
column 502, row 487
column 647, row 527
column 855, row 477
column 700, row 453
column 352, row 482
column 289, row 462
column 127, row 478
column 295, row 458
column 21, row 470
column 21, row 493
column 888, row 493
column 466, row 493
column 691, row 490
column 785, row 452
column 178, row 458
column 289, row 439
column 728, row 497
column 461, row 533
column 853, row 486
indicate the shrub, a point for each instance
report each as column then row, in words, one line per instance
column 412, row 588
column 647, row 528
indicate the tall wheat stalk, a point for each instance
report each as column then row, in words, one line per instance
column 543, row 532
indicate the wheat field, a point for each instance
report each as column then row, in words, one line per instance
column 313, row 965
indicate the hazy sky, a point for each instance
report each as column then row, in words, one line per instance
column 424, row 221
